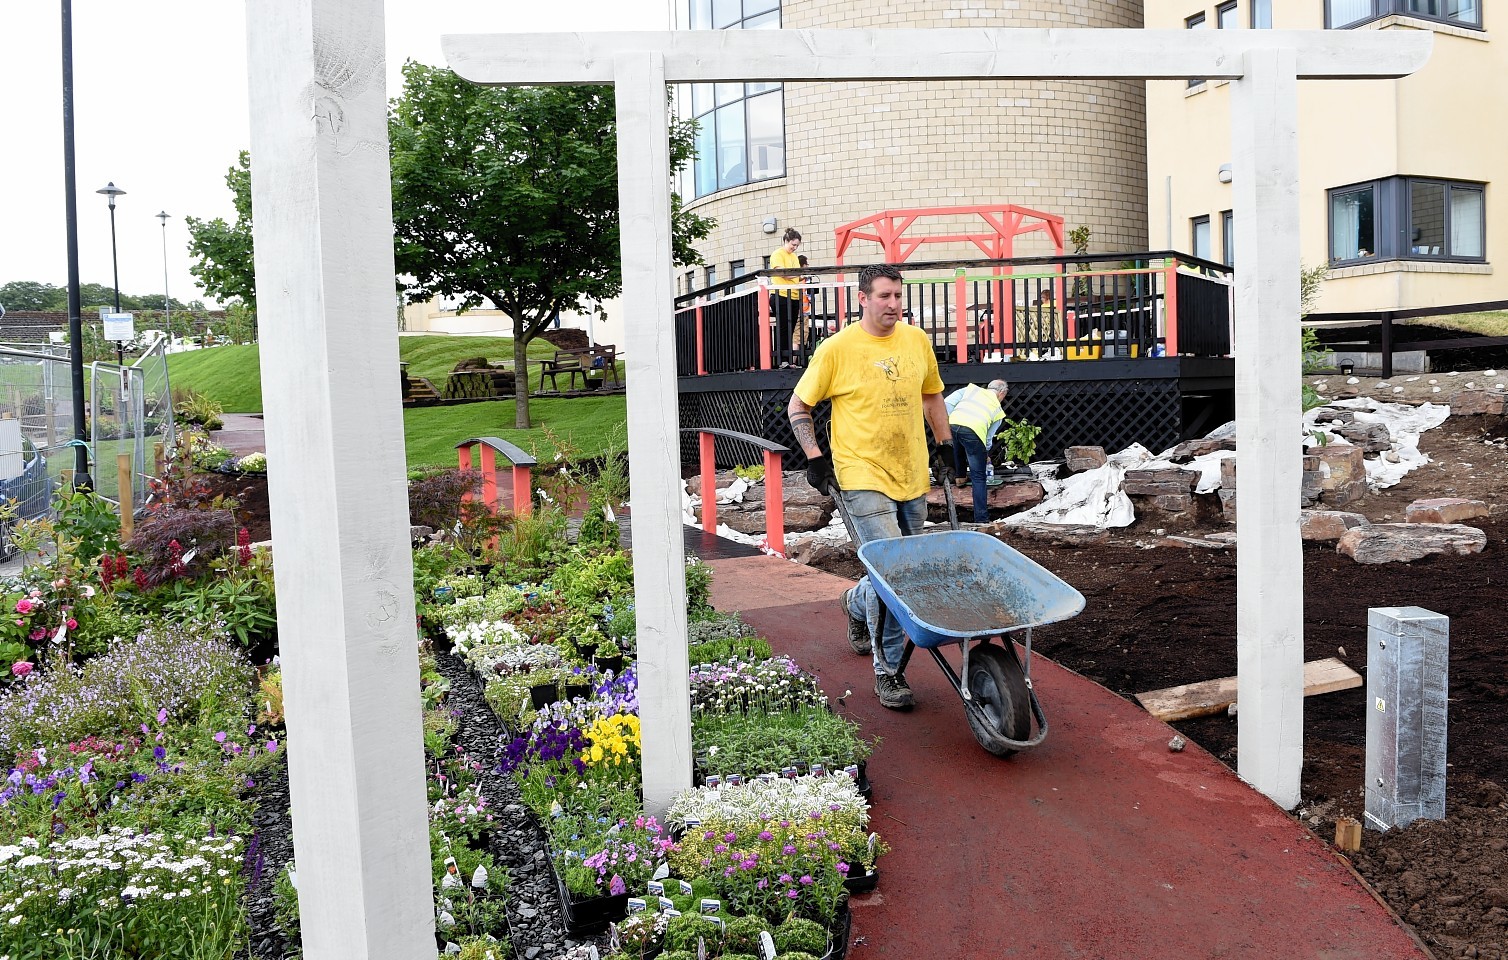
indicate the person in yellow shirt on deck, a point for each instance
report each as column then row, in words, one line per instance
column 881, row 376
column 785, row 297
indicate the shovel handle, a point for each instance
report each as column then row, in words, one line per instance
column 952, row 507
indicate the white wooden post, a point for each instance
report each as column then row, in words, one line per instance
column 1269, row 562
column 324, row 262
column 653, row 426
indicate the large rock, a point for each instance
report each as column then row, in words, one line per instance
column 1077, row 459
column 1228, row 504
column 1478, row 403
column 1405, row 542
column 1339, row 463
column 1371, row 437
column 1173, row 502
column 1228, row 473
column 1328, row 524
column 1061, row 534
column 1349, row 492
column 1189, row 449
column 815, row 550
column 1007, row 496
column 1159, row 482
column 1444, row 510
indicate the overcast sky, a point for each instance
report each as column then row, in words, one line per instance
column 160, row 110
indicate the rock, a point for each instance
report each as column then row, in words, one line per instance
column 1228, row 473
column 1405, row 542
column 1160, row 481
column 1371, row 437
column 1173, row 502
column 1228, row 504
column 1478, row 403
column 1348, row 492
column 1328, row 524
column 1004, row 497
column 1445, row 510
column 1334, row 414
column 1189, row 449
column 417, row 532
column 1062, row 534
column 1077, row 459
column 824, row 552
column 1339, row 464
column 1177, row 744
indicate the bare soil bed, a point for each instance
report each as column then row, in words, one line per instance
column 1161, row 613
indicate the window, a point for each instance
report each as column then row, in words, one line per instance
column 1201, row 237
column 1228, row 237
column 1350, row 13
column 740, row 126
column 1261, row 14
column 1196, row 22
column 1408, row 218
column 736, row 269
column 711, row 276
column 690, row 280
column 1225, row 16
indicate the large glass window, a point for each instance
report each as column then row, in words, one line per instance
column 1200, row 229
column 1261, row 14
column 740, row 126
column 1408, row 218
column 1350, row 13
column 1225, row 16
column 1228, row 237
column 1196, row 22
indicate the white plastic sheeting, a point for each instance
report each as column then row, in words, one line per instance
column 1404, row 422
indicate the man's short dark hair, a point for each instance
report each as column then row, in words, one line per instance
column 869, row 275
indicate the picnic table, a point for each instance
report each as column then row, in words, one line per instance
column 583, row 362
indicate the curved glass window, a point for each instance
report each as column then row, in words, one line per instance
column 740, row 126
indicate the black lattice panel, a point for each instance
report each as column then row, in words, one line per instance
column 760, row 413
column 1106, row 413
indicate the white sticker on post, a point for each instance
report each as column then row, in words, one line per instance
column 767, row 944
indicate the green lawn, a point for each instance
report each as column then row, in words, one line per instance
column 586, row 424
column 231, row 375
column 1488, row 323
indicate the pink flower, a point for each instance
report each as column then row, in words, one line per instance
column 20, row 668
column 24, row 606
column 220, row 737
column 72, row 624
column 37, row 634
column 272, row 746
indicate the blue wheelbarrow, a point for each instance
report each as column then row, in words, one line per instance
column 967, row 588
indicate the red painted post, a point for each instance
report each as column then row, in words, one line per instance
column 701, row 351
column 763, row 293
column 489, row 477
column 463, row 458
column 774, row 503
column 523, row 491
column 961, row 315
column 1170, row 305
column 709, row 482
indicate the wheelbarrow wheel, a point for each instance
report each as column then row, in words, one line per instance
column 1001, row 711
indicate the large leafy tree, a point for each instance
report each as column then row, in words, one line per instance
column 221, row 252
column 510, row 196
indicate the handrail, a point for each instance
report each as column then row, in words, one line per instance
column 774, row 482
column 523, row 495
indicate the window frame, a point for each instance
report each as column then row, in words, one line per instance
column 707, row 119
column 1392, row 220
column 1389, row 8
column 1196, row 21
column 1221, row 10
column 1259, row 5
column 1194, row 225
column 1228, row 237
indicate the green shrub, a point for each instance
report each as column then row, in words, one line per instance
column 718, row 626
column 721, row 651
column 799, row 934
column 742, row 934
column 683, row 932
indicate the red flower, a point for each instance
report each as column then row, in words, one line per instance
column 140, row 578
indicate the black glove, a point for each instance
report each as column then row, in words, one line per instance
column 942, row 462
column 819, row 473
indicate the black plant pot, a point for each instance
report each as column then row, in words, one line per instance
column 842, row 929
column 582, row 690
column 543, row 694
column 863, row 882
column 591, row 915
column 615, row 664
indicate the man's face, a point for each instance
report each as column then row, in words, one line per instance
column 882, row 305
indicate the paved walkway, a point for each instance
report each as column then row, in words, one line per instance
column 1100, row 844
column 242, row 434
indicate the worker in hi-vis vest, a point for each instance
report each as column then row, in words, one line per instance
column 976, row 415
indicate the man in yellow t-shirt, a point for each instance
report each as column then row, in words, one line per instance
column 881, row 376
column 785, row 296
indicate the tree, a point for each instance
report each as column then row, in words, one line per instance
column 510, row 196
column 30, row 295
column 222, row 260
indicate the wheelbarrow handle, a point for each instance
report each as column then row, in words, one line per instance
column 837, row 494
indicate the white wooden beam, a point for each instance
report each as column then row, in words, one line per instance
column 324, row 265
column 712, row 55
column 653, row 426
column 1269, row 562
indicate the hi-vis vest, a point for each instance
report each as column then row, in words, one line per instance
column 976, row 408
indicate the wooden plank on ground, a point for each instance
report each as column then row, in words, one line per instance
column 1213, row 696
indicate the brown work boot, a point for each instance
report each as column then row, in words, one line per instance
column 858, row 630
column 893, row 690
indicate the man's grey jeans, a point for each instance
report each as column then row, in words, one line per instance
column 877, row 517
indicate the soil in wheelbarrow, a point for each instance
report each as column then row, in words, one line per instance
column 1157, row 616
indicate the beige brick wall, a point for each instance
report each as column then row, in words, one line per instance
column 1073, row 148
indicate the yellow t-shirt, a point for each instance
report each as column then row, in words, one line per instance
column 876, row 385
column 783, row 259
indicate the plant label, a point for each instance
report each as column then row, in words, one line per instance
column 710, row 905
column 714, row 781
column 445, row 921
column 613, row 942
column 685, row 888
column 479, row 877
column 662, row 871
column 852, row 770
column 721, row 925
column 666, row 904
column 735, row 779
column 656, row 888
column 450, row 866
column 591, row 952
column 188, row 558
column 874, row 840
column 788, row 772
column 692, row 823
column 61, row 634
column 767, row 777
column 452, row 948
column 670, row 914
column 701, row 948
column 637, row 905
column 818, row 769
column 767, row 945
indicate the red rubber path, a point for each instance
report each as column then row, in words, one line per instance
column 1099, row 844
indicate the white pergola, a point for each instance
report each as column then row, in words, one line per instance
column 321, row 187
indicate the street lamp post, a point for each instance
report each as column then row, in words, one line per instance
column 80, row 443
column 167, row 301
column 112, row 191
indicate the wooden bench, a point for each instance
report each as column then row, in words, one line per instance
column 583, row 363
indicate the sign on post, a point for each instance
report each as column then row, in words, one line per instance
column 119, row 327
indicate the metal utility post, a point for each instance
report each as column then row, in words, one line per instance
column 111, row 191
column 167, row 301
column 81, row 479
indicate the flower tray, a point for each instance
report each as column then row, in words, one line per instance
column 842, row 929
column 591, row 915
column 862, row 882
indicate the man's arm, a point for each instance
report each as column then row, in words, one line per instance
column 936, row 412
column 800, row 416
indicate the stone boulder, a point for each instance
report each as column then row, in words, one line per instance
column 1370, row 437
column 1444, row 510
column 1189, row 449
column 816, row 550
column 805, row 508
column 1007, row 496
column 1159, row 482
column 1342, row 473
column 1328, row 524
column 1060, row 534
column 1406, row 542
column 1078, row 459
column 1479, row 403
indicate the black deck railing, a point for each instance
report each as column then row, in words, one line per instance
column 1087, row 307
